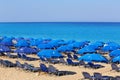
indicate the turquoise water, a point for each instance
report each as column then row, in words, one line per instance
column 67, row 31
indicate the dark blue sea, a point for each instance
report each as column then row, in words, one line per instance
column 79, row 31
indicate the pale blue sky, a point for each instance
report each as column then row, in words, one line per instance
column 59, row 10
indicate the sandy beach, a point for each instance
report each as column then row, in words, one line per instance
column 18, row 74
column 59, row 40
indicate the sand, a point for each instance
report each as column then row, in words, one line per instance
column 18, row 74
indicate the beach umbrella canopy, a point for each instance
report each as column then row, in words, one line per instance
column 58, row 43
column 46, row 40
column 86, row 42
column 54, row 43
column 113, row 44
column 7, row 42
column 109, row 48
column 49, row 54
column 93, row 57
column 2, row 37
column 22, row 43
column 26, row 50
column 116, row 59
column 66, row 48
column 98, row 44
column 87, row 49
column 62, row 42
column 4, row 48
column 115, row 53
column 19, row 38
column 71, row 41
column 94, row 46
column 29, row 39
column 78, row 44
column 50, row 45
column 35, row 42
column 45, row 46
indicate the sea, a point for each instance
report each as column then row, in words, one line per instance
column 78, row 31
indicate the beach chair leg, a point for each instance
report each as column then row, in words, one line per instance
column 39, row 73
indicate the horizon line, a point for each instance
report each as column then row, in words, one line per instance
column 62, row 22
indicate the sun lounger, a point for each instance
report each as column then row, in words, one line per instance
column 91, row 65
column 19, row 65
column 35, row 69
column 43, row 59
column 70, row 62
column 2, row 54
column 43, row 68
column 7, row 63
column 27, row 67
column 115, row 67
column 69, row 56
column 53, row 70
column 28, row 58
column 75, row 56
column 53, row 61
column 81, row 63
column 117, row 78
column 87, row 76
column 1, row 62
column 19, row 55
column 30, row 68
column 98, row 76
column 10, row 55
column 61, row 60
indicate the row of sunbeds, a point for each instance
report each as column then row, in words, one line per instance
column 98, row 76
column 42, row 68
column 22, row 56
column 69, row 61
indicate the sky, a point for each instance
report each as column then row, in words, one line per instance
column 59, row 10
